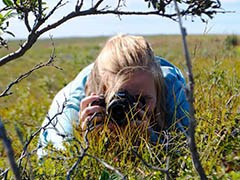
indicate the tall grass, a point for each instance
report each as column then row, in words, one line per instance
column 217, row 104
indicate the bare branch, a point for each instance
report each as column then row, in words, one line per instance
column 96, row 12
column 9, row 151
column 5, row 172
column 190, row 96
column 27, row 143
column 119, row 4
column 90, row 127
column 24, row 153
column 78, row 5
column 59, row 4
column 25, row 75
column 84, row 150
column 26, row 21
column 32, row 38
column 98, row 4
column 25, row 12
column 150, row 166
column 5, row 9
column 40, row 9
column 108, row 166
column 3, row 43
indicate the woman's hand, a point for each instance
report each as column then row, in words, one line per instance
column 88, row 108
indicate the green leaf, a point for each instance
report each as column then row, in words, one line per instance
column 8, row 2
column 114, row 177
column 9, row 15
column 104, row 175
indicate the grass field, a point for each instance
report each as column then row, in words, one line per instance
column 216, row 67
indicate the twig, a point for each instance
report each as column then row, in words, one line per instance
column 98, row 4
column 108, row 166
column 78, row 5
column 84, row 150
column 54, row 9
column 90, row 127
column 5, row 172
column 25, row 75
column 37, row 132
column 190, row 91
column 9, row 151
column 150, row 166
column 25, row 153
column 39, row 10
column 231, row 98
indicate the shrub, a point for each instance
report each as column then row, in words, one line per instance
column 231, row 41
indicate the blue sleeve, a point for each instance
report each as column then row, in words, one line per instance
column 62, row 125
column 177, row 105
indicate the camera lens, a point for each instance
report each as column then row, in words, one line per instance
column 120, row 105
column 118, row 109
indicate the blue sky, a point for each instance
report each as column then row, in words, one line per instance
column 109, row 24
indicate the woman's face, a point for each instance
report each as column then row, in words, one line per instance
column 142, row 83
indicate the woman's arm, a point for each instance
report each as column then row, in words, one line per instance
column 63, row 112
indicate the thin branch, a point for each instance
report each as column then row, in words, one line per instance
column 108, row 166
column 59, row 4
column 25, row 11
column 5, row 172
column 150, row 166
column 90, row 127
column 5, row 9
column 9, row 151
column 39, row 10
column 25, row 153
column 26, row 21
column 78, row 5
column 84, row 150
column 98, row 4
column 96, row 12
column 32, row 38
column 119, row 4
column 190, row 96
column 25, row 75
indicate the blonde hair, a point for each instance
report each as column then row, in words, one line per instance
column 121, row 55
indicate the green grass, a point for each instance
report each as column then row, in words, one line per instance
column 216, row 70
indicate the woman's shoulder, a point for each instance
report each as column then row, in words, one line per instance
column 76, row 86
column 80, row 80
column 84, row 72
column 170, row 72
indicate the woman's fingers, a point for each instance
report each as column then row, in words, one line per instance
column 89, row 111
column 95, row 114
column 88, row 100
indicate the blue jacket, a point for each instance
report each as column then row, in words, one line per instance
column 72, row 94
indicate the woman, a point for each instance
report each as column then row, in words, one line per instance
column 125, row 63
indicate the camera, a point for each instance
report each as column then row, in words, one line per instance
column 121, row 106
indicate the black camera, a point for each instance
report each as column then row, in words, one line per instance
column 121, row 106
